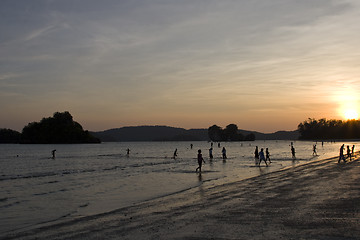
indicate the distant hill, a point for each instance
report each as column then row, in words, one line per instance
column 279, row 135
column 165, row 133
column 151, row 133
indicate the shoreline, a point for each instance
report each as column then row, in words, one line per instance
column 314, row 200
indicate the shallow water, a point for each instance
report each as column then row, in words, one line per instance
column 90, row 179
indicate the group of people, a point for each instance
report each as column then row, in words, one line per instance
column 349, row 152
column 223, row 152
column 211, row 156
column 261, row 156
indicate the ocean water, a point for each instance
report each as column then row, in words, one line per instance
column 88, row 179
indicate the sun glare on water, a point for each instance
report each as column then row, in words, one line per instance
column 350, row 114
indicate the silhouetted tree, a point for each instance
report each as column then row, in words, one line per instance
column 215, row 133
column 230, row 133
column 57, row 129
column 329, row 129
column 9, row 136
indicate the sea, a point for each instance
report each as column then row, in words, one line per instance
column 38, row 190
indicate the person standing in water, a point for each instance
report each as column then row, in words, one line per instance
column 127, row 152
column 267, row 155
column 200, row 161
column 224, row 153
column 53, row 153
column 175, row 154
column 256, row 153
column 293, row 151
column 262, row 157
column 211, row 153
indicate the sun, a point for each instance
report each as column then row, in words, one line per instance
column 350, row 114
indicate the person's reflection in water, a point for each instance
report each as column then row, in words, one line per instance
column 200, row 177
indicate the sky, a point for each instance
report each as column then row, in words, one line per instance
column 264, row 65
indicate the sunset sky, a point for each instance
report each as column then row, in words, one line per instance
column 265, row 65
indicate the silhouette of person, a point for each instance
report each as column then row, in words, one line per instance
column 256, row 152
column 224, row 153
column 348, row 152
column 267, row 155
column 211, row 153
column 314, row 149
column 191, row 146
column 341, row 155
column 262, row 157
column 352, row 149
column 293, row 151
column 175, row 153
column 200, row 161
column 218, row 145
column 127, row 152
column 53, row 153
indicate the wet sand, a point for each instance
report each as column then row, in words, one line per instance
column 317, row 200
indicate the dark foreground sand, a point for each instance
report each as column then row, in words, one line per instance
column 318, row 200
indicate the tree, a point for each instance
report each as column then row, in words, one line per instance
column 230, row 133
column 215, row 133
column 9, row 136
column 57, row 129
column 329, row 129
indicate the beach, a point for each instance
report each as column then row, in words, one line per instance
column 315, row 200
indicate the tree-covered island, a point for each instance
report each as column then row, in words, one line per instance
column 230, row 133
column 59, row 129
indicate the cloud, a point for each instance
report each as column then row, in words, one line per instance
column 39, row 32
column 178, row 55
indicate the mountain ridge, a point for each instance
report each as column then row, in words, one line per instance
column 167, row 133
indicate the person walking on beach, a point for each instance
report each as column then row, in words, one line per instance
column 224, row 153
column 293, row 152
column 314, row 150
column 348, row 152
column 353, row 149
column 341, row 155
column 267, row 155
column 211, row 153
column 262, row 157
column 200, row 161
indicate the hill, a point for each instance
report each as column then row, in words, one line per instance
column 151, row 133
column 165, row 133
